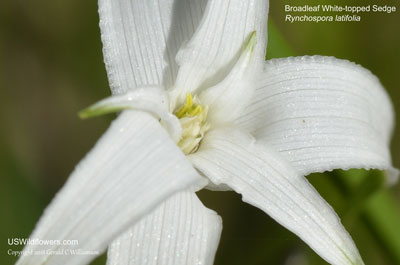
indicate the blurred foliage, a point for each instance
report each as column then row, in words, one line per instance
column 51, row 67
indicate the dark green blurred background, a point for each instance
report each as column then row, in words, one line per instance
column 51, row 67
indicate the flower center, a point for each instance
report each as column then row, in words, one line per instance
column 192, row 117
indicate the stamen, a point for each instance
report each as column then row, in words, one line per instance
column 189, row 99
column 186, row 107
column 197, row 110
column 189, row 109
column 192, row 117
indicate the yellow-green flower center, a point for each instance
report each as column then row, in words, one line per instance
column 192, row 117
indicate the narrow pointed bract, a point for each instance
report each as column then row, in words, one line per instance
column 153, row 100
column 227, row 99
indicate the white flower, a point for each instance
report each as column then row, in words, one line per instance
column 257, row 128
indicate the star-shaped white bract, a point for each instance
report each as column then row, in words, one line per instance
column 203, row 109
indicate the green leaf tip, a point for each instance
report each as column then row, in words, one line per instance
column 251, row 43
column 94, row 111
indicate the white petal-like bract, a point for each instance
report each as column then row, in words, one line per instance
column 217, row 43
column 133, row 167
column 322, row 113
column 141, row 39
column 228, row 98
column 180, row 231
column 268, row 182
